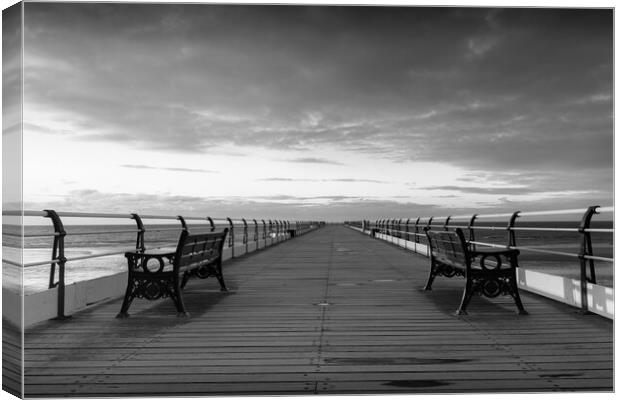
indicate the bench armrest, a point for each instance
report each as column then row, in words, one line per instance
column 144, row 254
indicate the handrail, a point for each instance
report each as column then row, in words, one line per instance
column 58, row 259
column 585, row 256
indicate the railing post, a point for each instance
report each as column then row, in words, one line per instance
column 140, row 235
column 428, row 247
column 416, row 238
column 183, row 223
column 586, row 250
column 58, row 253
column 231, row 237
column 212, row 224
column 445, row 224
column 512, row 238
column 407, row 229
column 245, row 234
column 264, row 229
column 271, row 231
column 255, row 232
column 470, row 228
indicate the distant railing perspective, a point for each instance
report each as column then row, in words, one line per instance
column 245, row 231
column 412, row 229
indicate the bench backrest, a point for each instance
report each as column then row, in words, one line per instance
column 448, row 246
column 199, row 249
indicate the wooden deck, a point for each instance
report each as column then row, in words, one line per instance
column 330, row 312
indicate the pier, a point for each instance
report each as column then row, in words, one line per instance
column 330, row 312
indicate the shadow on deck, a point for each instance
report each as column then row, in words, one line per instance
column 333, row 311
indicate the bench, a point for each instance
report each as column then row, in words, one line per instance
column 158, row 275
column 452, row 256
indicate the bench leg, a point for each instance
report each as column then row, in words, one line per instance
column 515, row 294
column 220, row 277
column 431, row 276
column 185, row 279
column 177, row 297
column 127, row 300
column 467, row 294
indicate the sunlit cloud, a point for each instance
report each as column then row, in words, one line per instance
column 175, row 169
column 345, row 180
column 314, row 160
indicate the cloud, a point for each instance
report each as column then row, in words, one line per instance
column 483, row 190
column 346, row 180
column 334, row 77
column 314, row 160
column 331, row 208
column 202, row 171
column 275, row 207
column 519, row 89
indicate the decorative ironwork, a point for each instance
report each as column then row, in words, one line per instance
column 154, row 276
column 451, row 256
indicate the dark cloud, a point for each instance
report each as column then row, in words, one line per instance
column 202, row 171
column 483, row 190
column 597, row 182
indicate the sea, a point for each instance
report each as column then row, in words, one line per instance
column 89, row 240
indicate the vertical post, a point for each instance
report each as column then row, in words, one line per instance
column 512, row 238
column 212, row 224
column 264, row 229
column 428, row 246
column 416, row 238
column 407, row 229
column 245, row 234
column 394, row 230
column 231, row 237
column 183, row 223
column 255, row 232
column 58, row 253
column 445, row 225
column 271, row 231
column 586, row 250
column 140, row 236
column 470, row 228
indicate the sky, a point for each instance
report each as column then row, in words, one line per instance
column 309, row 112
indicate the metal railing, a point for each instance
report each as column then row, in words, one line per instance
column 266, row 229
column 412, row 229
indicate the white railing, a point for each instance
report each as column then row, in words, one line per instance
column 247, row 231
column 413, row 229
